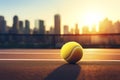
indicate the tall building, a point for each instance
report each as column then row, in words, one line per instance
column 76, row 29
column 117, row 27
column 2, row 25
column 35, row 31
column 41, row 27
column 51, row 30
column 57, row 24
column 1, row 18
column 21, row 28
column 71, row 31
column 85, row 30
column 27, row 27
column 15, row 27
column 66, row 29
column 106, row 26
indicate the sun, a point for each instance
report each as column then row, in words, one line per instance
column 92, row 18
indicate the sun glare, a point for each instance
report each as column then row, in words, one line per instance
column 92, row 18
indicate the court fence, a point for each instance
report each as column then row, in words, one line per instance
column 46, row 41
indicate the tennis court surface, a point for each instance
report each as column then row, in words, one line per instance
column 46, row 64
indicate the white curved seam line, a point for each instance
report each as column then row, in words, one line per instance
column 72, row 52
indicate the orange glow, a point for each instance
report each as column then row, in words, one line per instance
column 92, row 18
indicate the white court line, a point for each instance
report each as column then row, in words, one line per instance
column 89, row 53
column 56, row 60
column 117, row 54
column 27, row 53
column 19, row 53
column 31, row 59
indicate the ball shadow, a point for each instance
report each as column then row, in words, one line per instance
column 65, row 72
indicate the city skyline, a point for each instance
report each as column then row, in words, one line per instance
column 23, row 27
column 72, row 11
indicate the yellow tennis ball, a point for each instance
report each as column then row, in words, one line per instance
column 72, row 52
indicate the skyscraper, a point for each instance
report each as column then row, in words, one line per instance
column 85, row 30
column 51, row 30
column 21, row 29
column 2, row 25
column 106, row 26
column 35, row 30
column 71, row 31
column 15, row 27
column 76, row 29
column 41, row 27
column 57, row 24
column 27, row 27
column 66, row 29
column 117, row 27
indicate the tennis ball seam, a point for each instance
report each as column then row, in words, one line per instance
column 72, row 51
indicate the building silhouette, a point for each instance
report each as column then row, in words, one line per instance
column 106, row 26
column 2, row 25
column 15, row 27
column 117, row 27
column 51, row 30
column 27, row 27
column 71, row 31
column 85, row 30
column 66, row 29
column 41, row 27
column 21, row 28
column 57, row 24
column 35, row 30
column 76, row 29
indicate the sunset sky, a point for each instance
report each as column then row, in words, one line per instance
column 71, row 11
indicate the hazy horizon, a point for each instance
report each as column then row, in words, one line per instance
column 83, row 12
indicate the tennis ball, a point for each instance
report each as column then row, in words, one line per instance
column 72, row 52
